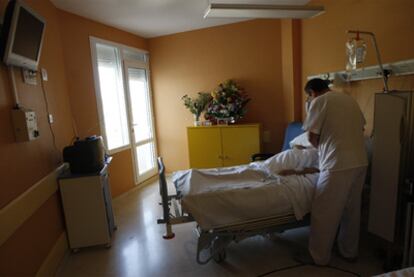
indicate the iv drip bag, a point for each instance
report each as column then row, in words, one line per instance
column 356, row 50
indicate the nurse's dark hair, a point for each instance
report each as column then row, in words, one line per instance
column 316, row 85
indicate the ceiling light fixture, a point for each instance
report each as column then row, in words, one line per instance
column 220, row 10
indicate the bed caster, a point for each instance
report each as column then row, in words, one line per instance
column 220, row 256
column 168, row 236
column 218, row 251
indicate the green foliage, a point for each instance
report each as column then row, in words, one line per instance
column 197, row 105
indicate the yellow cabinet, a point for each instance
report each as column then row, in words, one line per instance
column 222, row 145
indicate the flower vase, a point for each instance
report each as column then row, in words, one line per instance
column 225, row 120
column 197, row 121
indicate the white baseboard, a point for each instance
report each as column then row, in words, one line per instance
column 137, row 187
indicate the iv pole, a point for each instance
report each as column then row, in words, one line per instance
column 374, row 41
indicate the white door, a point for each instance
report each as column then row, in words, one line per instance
column 141, row 119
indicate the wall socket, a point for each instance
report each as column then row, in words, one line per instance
column 25, row 124
column 29, row 76
column 44, row 74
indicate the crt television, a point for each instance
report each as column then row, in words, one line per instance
column 22, row 35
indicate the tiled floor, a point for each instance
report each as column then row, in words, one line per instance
column 139, row 250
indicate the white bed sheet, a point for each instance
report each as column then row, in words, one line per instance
column 223, row 196
column 405, row 272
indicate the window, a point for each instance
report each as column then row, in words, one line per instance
column 124, row 103
column 112, row 97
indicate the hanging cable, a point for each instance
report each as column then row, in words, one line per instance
column 48, row 120
column 281, row 269
column 300, row 265
column 74, row 129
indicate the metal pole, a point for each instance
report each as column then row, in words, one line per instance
column 374, row 41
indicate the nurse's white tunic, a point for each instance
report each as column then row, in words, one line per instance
column 337, row 118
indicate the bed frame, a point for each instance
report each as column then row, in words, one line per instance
column 212, row 243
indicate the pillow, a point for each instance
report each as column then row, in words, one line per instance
column 301, row 140
column 292, row 159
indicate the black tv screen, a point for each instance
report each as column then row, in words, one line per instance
column 28, row 35
column 25, row 32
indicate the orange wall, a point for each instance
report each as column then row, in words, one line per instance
column 25, row 251
column 70, row 91
column 291, row 68
column 186, row 63
column 76, row 31
column 36, row 158
column 324, row 37
column 23, row 164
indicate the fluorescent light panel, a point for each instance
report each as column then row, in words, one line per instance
column 219, row 10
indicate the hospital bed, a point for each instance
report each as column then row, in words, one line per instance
column 214, row 237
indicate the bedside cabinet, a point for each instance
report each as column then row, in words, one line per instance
column 87, row 206
column 222, row 145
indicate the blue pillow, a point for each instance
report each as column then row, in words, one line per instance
column 293, row 130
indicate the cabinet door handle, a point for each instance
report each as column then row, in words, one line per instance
column 220, row 157
column 226, row 157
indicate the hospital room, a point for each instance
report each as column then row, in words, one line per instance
column 206, row 138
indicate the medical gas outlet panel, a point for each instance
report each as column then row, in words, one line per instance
column 25, row 124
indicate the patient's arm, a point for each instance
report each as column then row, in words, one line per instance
column 306, row 170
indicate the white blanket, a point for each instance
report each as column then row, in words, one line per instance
column 221, row 196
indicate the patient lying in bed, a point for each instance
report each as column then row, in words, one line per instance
column 230, row 195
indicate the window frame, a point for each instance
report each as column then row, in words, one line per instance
column 93, row 41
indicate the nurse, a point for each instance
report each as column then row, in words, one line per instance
column 335, row 124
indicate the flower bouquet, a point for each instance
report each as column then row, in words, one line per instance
column 228, row 103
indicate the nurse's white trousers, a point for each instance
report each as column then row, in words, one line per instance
column 337, row 202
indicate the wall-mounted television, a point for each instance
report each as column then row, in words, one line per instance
column 22, row 35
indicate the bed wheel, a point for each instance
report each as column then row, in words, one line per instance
column 220, row 256
column 218, row 251
column 168, row 236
